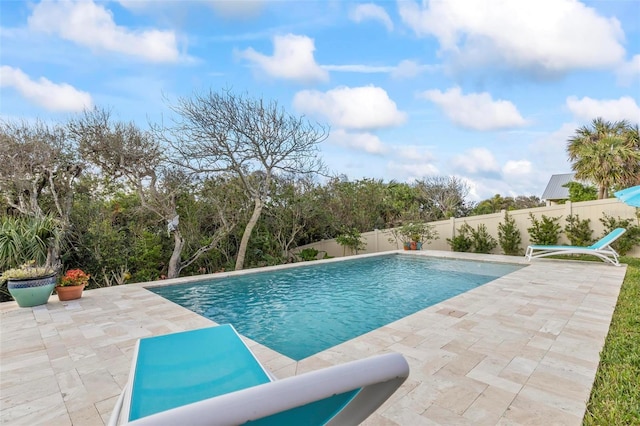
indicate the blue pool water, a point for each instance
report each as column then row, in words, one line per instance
column 305, row 310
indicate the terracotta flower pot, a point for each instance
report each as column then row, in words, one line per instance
column 69, row 292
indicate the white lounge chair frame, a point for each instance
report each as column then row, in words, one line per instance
column 602, row 249
column 377, row 378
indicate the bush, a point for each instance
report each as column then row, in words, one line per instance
column 351, row 238
column 628, row 240
column 417, row 232
column 578, row 231
column 544, row 232
column 482, row 241
column 462, row 241
column 308, row 254
column 509, row 236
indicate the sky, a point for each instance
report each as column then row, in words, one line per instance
column 488, row 91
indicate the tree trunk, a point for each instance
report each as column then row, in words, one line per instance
column 174, row 262
column 242, row 251
column 601, row 192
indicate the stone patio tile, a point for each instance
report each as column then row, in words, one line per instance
column 285, row 371
column 528, row 341
column 436, row 339
column 493, row 379
column 489, row 407
column 279, row 363
column 461, row 364
column 48, row 409
column 584, row 349
column 77, row 398
column 519, row 369
column 525, row 411
column 539, row 341
column 26, row 392
column 536, row 408
column 105, row 407
column 457, row 393
column 443, row 416
column 379, row 420
column 554, row 403
column 88, row 416
column 408, row 413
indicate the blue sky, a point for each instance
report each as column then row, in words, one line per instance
column 487, row 91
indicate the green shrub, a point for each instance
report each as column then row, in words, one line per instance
column 27, row 239
column 463, row 240
column 546, row 231
column 509, row 236
column 482, row 241
column 580, row 192
column 308, row 254
column 352, row 239
column 628, row 240
column 578, row 231
column 417, row 232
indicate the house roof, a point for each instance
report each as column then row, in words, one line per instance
column 555, row 190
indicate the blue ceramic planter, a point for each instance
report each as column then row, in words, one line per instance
column 32, row 291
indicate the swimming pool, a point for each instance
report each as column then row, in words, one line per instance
column 304, row 310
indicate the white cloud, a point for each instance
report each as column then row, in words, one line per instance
column 516, row 168
column 414, row 153
column 412, row 170
column 549, row 153
column 361, row 108
column 292, row 59
column 540, row 36
column 91, row 25
column 587, row 108
column 371, row 11
column 476, row 161
column 408, row 69
column 359, row 68
column 52, row 96
column 476, row 111
column 411, row 162
column 366, row 142
column 404, row 69
column 629, row 72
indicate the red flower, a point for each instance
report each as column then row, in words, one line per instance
column 74, row 277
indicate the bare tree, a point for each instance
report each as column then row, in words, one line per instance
column 122, row 150
column 250, row 138
column 442, row 197
column 39, row 168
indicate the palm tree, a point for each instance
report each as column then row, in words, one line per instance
column 605, row 153
column 633, row 178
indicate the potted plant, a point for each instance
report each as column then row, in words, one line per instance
column 72, row 284
column 413, row 235
column 27, row 247
column 30, row 285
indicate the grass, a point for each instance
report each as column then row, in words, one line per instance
column 615, row 396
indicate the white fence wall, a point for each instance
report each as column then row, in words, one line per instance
column 378, row 240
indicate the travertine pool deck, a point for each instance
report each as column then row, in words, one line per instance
column 520, row 350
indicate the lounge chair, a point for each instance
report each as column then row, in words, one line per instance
column 209, row 376
column 602, row 249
